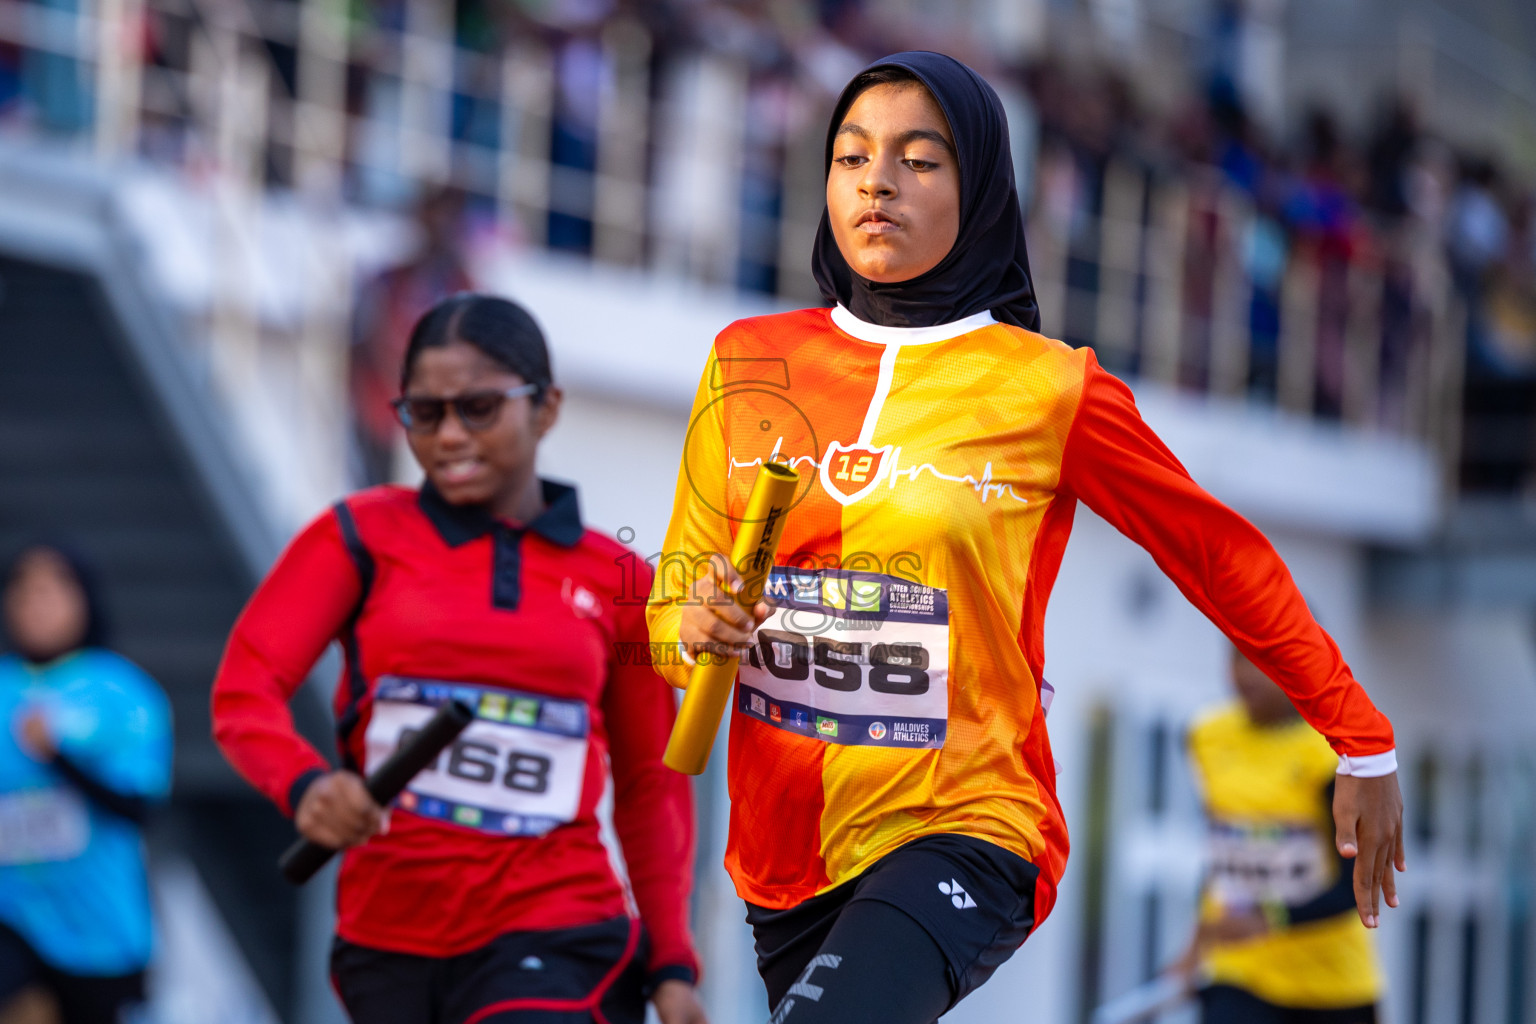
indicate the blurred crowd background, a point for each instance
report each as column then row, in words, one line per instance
column 1198, row 213
column 1304, row 229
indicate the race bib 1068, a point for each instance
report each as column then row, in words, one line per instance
column 856, row 658
column 516, row 771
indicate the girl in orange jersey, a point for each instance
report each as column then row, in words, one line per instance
column 895, row 829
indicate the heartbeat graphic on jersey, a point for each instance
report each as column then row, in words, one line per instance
column 774, row 456
column 878, row 464
column 850, row 471
column 984, row 487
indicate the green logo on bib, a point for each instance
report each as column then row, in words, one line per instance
column 524, row 712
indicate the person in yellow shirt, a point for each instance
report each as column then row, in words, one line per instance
column 1278, row 942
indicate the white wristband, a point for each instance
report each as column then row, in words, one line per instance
column 1368, row 766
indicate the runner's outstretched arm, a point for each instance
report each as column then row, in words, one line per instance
column 1121, row 470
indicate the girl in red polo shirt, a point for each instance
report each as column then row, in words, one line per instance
column 486, row 893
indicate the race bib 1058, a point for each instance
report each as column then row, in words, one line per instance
column 856, row 658
column 516, row 771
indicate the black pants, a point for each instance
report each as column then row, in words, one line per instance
column 589, row 975
column 902, row 943
column 1224, row 1004
column 81, row 999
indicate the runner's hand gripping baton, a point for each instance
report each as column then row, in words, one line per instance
column 301, row 860
column 709, row 685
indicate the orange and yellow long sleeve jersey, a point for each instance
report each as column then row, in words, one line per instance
column 896, row 691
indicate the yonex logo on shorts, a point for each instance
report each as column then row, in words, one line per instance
column 957, row 894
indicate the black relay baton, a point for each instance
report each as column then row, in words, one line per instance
column 301, row 860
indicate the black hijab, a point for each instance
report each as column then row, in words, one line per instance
column 988, row 268
column 96, row 632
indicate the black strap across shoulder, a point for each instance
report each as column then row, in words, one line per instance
column 359, row 552
column 357, row 683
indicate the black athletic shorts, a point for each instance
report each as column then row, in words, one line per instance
column 82, row 999
column 1224, row 1004
column 902, row 943
column 594, row 974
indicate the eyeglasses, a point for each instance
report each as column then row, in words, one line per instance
column 476, row 410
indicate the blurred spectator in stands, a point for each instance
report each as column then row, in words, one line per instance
column 753, row 36
column 1477, row 234
column 1250, row 165
column 476, row 113
column 58, row 84
column 1265, row 252
column 1331, row 212
column 1500, row 401
column 1510, row 307
column 1230, row 161
column 10, row 81
column 1323, row 216
column 1088, row 125
column 1389, row 166
column 843, row 18
column 1392, row 147
column 583, row 76
column 85, row 749
column 1239, row 146
column 387, row 307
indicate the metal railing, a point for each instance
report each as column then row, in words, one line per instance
column 688, row 174
column 1159, row 283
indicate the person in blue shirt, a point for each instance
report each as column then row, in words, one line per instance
column 85, row 751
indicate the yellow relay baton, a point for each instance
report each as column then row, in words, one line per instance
column 709, row 684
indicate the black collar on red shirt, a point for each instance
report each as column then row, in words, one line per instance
column 559, row 523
